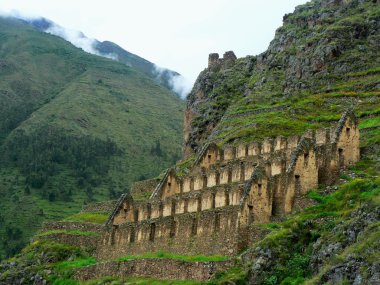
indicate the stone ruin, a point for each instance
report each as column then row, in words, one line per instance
column 214, row 208
column 215, row 63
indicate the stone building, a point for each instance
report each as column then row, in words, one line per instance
column 213, row 208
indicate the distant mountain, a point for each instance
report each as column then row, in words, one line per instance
column 109, row 49
column 74, row 128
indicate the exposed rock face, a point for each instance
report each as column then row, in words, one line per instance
column 199, row 100
column 317, row 44
column 345, row 255
column 356, row 267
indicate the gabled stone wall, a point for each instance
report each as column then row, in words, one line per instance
column 229, row 189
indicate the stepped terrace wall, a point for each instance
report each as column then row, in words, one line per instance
column 163, row 269
column 99, row 207
column 213, row 231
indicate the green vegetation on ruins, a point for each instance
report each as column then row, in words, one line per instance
column 95, row 218
column 69, row 232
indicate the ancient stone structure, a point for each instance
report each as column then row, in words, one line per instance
column 211, row 210
column 163, row 269
column 215, row 63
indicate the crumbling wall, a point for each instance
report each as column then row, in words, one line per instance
column 99, row 207
column 347, row 140
column 215, row 63
column 140, row 188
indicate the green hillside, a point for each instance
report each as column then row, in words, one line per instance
column 74, row 128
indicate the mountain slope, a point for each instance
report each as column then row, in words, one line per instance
column 74, row 127
column 323, row 60
column 109, row 49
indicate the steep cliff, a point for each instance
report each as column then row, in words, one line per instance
column 323, row 49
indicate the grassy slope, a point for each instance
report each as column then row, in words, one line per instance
column 47, row 84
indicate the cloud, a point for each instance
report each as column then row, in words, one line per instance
column 78, row 39
column 75, row 37
column 178, row 83
column 181, row 85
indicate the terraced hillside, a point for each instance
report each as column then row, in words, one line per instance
column 74, row 128
column 323, row 60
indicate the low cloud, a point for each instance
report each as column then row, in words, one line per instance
column 78, row 39
column 181, row 85
column 178, row 83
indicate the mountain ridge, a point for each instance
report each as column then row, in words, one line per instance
column 74, row 127
column 109, row 49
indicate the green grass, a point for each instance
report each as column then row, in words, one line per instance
column 168, row 255
column 369, row 123
column 77, row 263
column 236, row 274
column 95, row 218
column 68, row 232
column 370, row 71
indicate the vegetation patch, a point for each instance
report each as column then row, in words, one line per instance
column 369, row 123
column 69, row 232
column 77, row 263
column 95, row 218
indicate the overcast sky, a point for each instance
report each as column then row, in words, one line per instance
column 171, row 33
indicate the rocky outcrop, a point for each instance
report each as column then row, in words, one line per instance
column 318, row 44
column 354, row 266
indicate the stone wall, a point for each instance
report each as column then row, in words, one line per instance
column 214, row 231
column 141, row 188
column 163, row 269
column 83, row 241
column 99, row 207
column 228, row 190
column 191, row 201
column 215, row 63
column 72, row 226
column 71, row 233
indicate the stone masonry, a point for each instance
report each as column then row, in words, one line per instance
column 213, row 209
